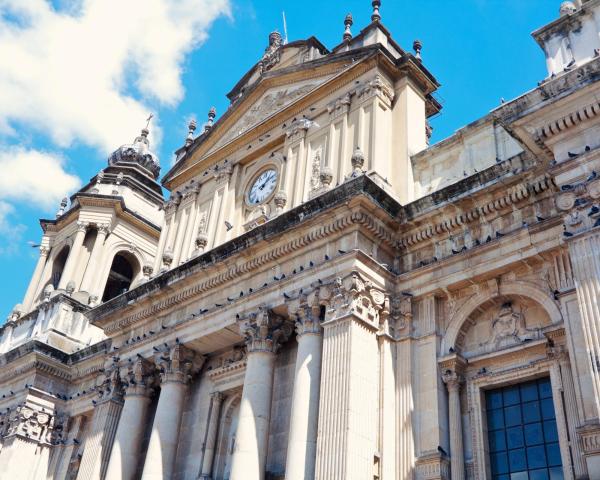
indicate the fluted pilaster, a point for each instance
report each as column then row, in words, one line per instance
column 216, row 401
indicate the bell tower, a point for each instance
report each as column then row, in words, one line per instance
column 101, row 244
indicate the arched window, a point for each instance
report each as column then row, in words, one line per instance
column 123, row 270
column 59, row 265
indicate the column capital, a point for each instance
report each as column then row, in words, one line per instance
column 82, row 226
column 139, row 379
column 34, row 424
column 306, row 312
column 264, row 331
column 178, row 363
column 44, row 251
column 103, row 229
column 110, row 386
column 217, row 397
column 355, row 296
column 452, row 379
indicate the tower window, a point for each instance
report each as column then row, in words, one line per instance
column 59, row 265
column 120, row 277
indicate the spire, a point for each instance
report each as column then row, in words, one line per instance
column 348, row 22
column 212, row 113
column 138, row 153
column 376, row 17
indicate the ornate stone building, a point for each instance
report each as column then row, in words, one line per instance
column 323, row 296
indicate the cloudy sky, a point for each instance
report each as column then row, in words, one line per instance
column 78, row 78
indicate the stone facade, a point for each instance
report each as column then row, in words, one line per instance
column 323, row 295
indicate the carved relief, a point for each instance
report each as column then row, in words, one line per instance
column 264, row 331
column 34, row 423
column 577, row 201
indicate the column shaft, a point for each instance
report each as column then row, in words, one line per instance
column 125, row 453
column 302, row 442
column 162, row 449
column 90, row 275
column 35, row 279
column 73, row 256
column 250, row 451
column 457, row 456
column 405, row 407
column 99, row 441
column 211, row 436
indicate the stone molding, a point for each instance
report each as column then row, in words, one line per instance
column 514, row 195
column 432, row 466
column 589, row 436
column 227, row 365
column 376, row 228
column 264, row 331
column 569, row 121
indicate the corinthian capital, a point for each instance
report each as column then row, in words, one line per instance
column 306, row 312
column 139, row 377
column 178, row 363
column 264, row 330
column 452, row 379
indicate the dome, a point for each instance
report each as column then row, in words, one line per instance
column 137, row 152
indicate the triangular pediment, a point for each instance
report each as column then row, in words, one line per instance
column 272, row 101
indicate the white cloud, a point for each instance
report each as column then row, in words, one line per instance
column 33, row 176
column 90, row 71
column 11, row 235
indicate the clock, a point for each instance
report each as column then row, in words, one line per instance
column 261, row 189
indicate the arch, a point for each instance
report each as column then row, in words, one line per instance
column 58, row 265
column 518, row 289
column 123, row 271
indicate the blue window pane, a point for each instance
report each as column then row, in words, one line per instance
column 545, row 388
column 534, row 434
column 556, row 473
column 494, row 399
column 499, row 462
column 531, row 412
column 511, row 396
column 512, row 416
column 497, row 441
column 514, row 437
column 529, row 392
column 539, row 474
column 495, row 419
column 547, row 409
column 517, row 460
column 501, row 477
column 536, row 457
column 519, row 476
column 553, row 455
column 550, row 432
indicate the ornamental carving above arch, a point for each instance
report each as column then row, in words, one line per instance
column 514, row 314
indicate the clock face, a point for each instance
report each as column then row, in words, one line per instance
column 262, row 187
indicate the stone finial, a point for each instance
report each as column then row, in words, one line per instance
column 191, row 130
column 280, row 201
column 70, row 288
column 376, row 17
column 326, row 177
column 212, row 113
column 16, row 313
column 167, row 258
column 417, row 46
column 147, row 271
column 358, row 161
column 348, row 22
column 201, row 241
column 47, row 293
column 567, row 8
column 62, row 208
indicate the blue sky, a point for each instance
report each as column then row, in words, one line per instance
column 76, row 81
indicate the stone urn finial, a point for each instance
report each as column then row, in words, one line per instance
column 326, row 177
column 280, row 200
column 358, row 161
column 167, row 258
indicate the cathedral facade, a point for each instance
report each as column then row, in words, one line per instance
column 324, row 295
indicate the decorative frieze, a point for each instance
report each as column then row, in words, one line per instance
column 578, row 204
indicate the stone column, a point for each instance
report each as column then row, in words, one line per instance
column 99, row 440
column 216, row 400
column 70, row 447
column 34, row 284
column 264, row 332
column 73, row 255
column 452, row 379
column 302, row 440
column 347, row 440
column 125, row 454
column 91, row 274
column 176, row 367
